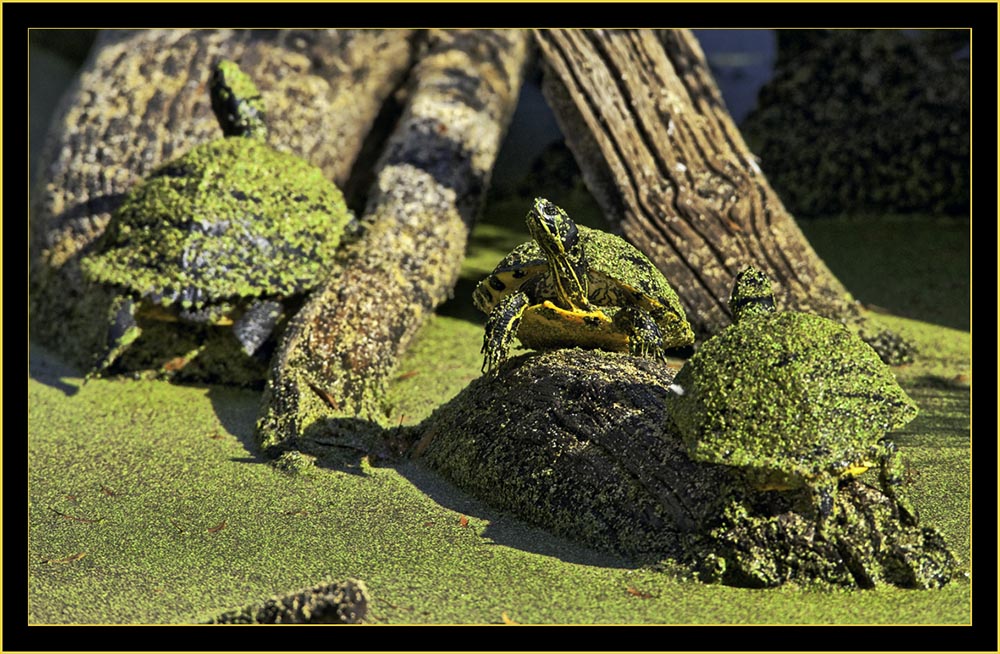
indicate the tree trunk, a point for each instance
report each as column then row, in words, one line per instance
column 664, row 159
column 142, row 99
column 327, row 379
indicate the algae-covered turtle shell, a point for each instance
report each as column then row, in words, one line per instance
column 790, row 398
column 231, row 220
column 579, row 443
column 575, row 286
column 222, row 235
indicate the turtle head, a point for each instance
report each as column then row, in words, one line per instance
column 752, row 295
column 559, row 239
column 237, row 103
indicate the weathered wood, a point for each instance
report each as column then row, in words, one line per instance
column 664, row 159
column 333, row 602
column 576, row 441
column 326, row 381
column 142, row 99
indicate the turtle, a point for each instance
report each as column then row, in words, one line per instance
column 224, row 235
column 579, row 442
column 793, row 399
column 576, row 286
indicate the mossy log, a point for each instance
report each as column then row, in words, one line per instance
column 326, row 380
column 582, row 443
column 343, row 602
column 898, row 102
column 660, row 153
column 141, row 99
column 573, row 441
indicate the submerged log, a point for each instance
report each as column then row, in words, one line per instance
column 344, row 602
column 327, row 379
column 141, row 99
column 660, row 153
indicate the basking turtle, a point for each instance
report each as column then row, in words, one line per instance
column 222, row 235
column 580, row 443
column 576, row 286
column 794, row 399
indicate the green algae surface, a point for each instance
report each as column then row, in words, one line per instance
column 913, row 266
column 147, row 503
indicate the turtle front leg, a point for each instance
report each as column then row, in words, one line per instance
column 891, row 477
column 645, row 339
column 256, row 324
column 824, row 493
column 501, row 328
column 123, row 330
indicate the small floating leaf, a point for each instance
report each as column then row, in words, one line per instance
column 638, row 593
column 75, row 518
column 66, row 559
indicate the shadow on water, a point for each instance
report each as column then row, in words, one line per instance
column 236, row 409
column 46, row 368
column 340, row 444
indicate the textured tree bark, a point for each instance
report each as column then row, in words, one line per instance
column 326, row 381
column 665, row 161
column 142, row 99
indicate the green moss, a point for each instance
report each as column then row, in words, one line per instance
column 915, row 266
column 179, row 466
column 787, row 392
column 897, row 101
column 168, row 452
column 233, row 218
